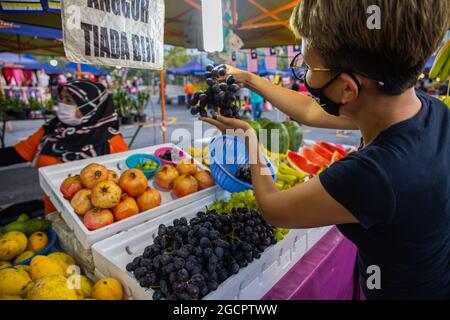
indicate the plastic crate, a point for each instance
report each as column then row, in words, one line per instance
column 51, row 177
column 227, row 154
column 251, row 283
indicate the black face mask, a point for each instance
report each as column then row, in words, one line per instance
column 326, row 103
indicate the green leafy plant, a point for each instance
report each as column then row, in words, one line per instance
column 34, row 104
column 143, row 98
column 49, row 104
column 132, row 105
column 120, row 102
column 17, row 104
column 3, row 104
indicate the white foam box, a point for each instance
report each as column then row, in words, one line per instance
column 50, row 179
column 251, row 283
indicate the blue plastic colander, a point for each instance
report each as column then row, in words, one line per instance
column 228, row 153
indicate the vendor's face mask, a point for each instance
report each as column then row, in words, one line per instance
column 326, row 103
column 67, row 114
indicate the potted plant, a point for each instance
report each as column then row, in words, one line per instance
column 18, row 108
column 131, row 108
column 143, row 98
column 49, row 106
column 3, row 105
column 36, row 108
column 123, row 105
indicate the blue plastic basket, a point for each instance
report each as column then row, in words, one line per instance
column 47, row 249
column 136, row 159
column 228, row 153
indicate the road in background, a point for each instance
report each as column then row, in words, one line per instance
column 21, row 183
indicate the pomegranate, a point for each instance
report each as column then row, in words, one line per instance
column 185, row 185
column 165, row 176
column 93, row 174
column 186, row 168
column 81, row 201
column 126, row 208
column 204, row 180
column 106, row 194
column 98, row 218
column 150, row 199
column 70, row 186
column 133, row 182
column 113, row 176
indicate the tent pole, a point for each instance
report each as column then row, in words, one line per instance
column 79, row 70
column 2, row 91
column 163, row 106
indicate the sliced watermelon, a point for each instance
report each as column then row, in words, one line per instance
column 336, row 157
column 327, row 154
column 315, row 158
column 300, row 163
column 333, row 148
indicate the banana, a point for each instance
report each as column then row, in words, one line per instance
column 285, row 169
column 280, row 185
column 445, row 72
column 440, row 61
column 287, row 179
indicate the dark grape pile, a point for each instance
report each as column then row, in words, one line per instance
column 167, row 156
column 191, row 259
column 219, row 95
column 244, row 174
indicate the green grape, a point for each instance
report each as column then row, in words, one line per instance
column 285, row 231
column 279, row 235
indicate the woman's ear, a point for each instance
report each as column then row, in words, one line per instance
column 350, row 89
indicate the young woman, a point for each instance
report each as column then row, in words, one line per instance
column 86, row 126
column 392, row 197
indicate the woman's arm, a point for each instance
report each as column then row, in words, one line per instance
column 9, row 156
column 305, row 206
column 296, row 105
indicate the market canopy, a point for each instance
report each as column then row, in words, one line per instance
column 260, row 23
column 85, row 68
column 27, row 38
column 192, row 68
column 20, row 61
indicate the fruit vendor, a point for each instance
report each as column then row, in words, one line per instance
column 86, row 126
column 392, row 197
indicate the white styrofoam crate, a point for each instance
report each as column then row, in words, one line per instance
column 51, row 177
column 251, row 283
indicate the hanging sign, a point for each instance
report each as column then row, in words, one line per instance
column 126, row 33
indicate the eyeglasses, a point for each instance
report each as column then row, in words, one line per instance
column 299, row 69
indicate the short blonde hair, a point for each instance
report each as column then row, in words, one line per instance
column 411, row 31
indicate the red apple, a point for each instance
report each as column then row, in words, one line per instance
column 98, row 218
column 185, row 185
column 150, row 199
column 70, row 186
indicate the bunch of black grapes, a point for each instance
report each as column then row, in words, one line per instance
column 244, row 174
column 167, row 156
column 189, row 260
column 220, row 95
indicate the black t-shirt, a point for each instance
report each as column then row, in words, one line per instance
column 398, row 188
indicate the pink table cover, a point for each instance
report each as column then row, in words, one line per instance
column 326, row 272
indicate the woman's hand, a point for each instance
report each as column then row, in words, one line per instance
column 227, row 124
column 243, row 78
column 235, row 127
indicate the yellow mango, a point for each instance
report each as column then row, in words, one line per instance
column 107, row 289
column 42, row 266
